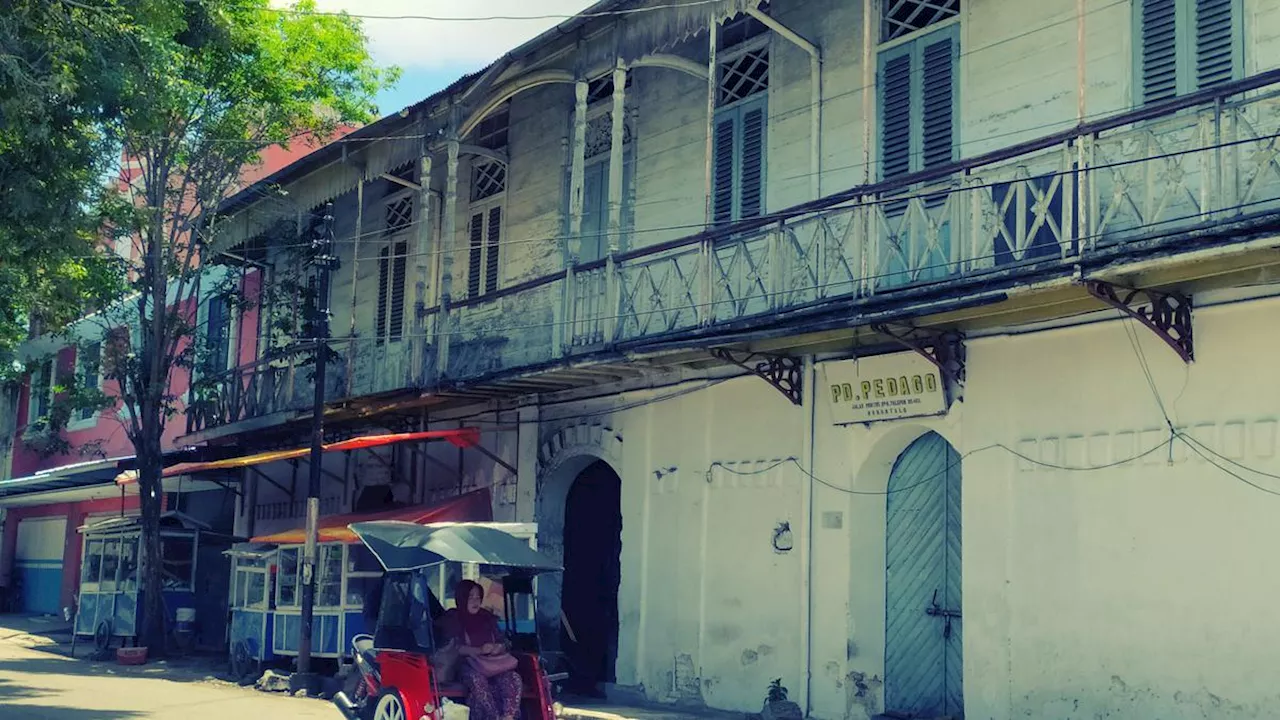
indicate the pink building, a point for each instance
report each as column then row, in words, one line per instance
column 52, row 485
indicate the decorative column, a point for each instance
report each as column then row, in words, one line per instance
column 617, row 157
column 577, row 170
column 448, row 231
column 421, row 257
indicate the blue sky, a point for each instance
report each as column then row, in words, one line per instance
column 434, row 53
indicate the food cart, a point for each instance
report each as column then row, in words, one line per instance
column 266, row 602
column 111, row 573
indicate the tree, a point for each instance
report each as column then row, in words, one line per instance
column 59, row 76
column 210, row 84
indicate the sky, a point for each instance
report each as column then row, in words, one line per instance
column 433, row 53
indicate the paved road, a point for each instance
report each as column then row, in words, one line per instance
column 36, row 685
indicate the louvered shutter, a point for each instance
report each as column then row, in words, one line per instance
column 722, row 169
column 937, row 101
column 399, row 266
column 1215, row 43
column 384, row 283
column 475, row 261
column 1159, row 49
column 491, row 253
column 751, row 174
column 895, row 115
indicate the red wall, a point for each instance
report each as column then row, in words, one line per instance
column 108, row 427
column 75, row 512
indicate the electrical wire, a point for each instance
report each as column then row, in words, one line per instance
column 488, row 18
column 951, row 466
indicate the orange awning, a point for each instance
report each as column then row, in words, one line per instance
column 475, row 506
column 462, row 437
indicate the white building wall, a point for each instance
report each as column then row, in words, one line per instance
column 1125, row 589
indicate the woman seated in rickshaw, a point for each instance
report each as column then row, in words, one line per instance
column 486, row 666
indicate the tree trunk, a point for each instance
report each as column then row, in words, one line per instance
column 150, row 466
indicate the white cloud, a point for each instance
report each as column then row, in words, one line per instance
column 412, row 43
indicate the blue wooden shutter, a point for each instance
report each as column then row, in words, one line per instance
column 1215, row 43
column 1159, row 50
column 384, row 283
column 595, row 210
column 399, row 266
column 217, row 340
column 895, row 114
column 474, row 262
column 724, row 141
column 491, row 255
column 90, row 363
column 751, row 173
column 937, row 100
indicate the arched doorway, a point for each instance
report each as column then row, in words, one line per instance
column 592, row 574
column 924, row 664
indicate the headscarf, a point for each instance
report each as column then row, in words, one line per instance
column 479, row 627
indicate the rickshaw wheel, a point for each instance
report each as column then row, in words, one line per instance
column 389, row 706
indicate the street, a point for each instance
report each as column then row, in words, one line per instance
column 37, row 685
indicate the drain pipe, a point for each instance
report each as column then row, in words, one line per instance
column 809, row 393
column 815, row 80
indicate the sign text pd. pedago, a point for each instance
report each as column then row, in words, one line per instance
column 883, row 387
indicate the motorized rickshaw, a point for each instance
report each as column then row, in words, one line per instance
column 396, row 677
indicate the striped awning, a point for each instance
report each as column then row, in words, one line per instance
column 462, row 438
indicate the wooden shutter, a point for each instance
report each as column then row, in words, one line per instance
column 475, row 261
column 1159, row 50
column 723, row 140
column 399, row 263
column 384, row 284
column 937, row 102
column 751, row 174
column 491, row 254
column 895, row 115
column 1215, row 43
column 90, row 363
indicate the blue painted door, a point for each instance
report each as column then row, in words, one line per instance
column 38, row 553
column 923, row 641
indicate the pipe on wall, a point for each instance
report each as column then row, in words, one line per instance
column 815, row 94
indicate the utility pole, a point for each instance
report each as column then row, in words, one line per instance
column 325, row 262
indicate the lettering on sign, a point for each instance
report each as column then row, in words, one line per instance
column 884, row 387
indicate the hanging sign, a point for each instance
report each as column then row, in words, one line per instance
column 883, row 387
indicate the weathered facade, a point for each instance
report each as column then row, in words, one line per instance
column 838, row 352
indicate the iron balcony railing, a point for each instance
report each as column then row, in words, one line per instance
column 1200, row 160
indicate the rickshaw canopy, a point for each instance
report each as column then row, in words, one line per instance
column 402, row 546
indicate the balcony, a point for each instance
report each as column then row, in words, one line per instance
column 1187, row 174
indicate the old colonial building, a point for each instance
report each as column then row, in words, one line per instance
column 915, row 352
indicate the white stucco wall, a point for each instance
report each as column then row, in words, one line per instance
column 1133, row 590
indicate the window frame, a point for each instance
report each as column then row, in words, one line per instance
column 388, row 255
column 596, row 110
column 1186, row 72
column 480, row 286
column 47, row 395
column 913, row 45
column 81, row 421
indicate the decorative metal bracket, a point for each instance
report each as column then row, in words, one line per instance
column 781, row 371
column 1168, row 315
column 944, row 348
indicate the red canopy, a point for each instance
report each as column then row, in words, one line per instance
column 473, row 507
column 462, row 437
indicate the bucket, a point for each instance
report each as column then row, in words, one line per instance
column 131, row 656
column 184, row 620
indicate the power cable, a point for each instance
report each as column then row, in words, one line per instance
column 489, row 18
column 935, row 476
